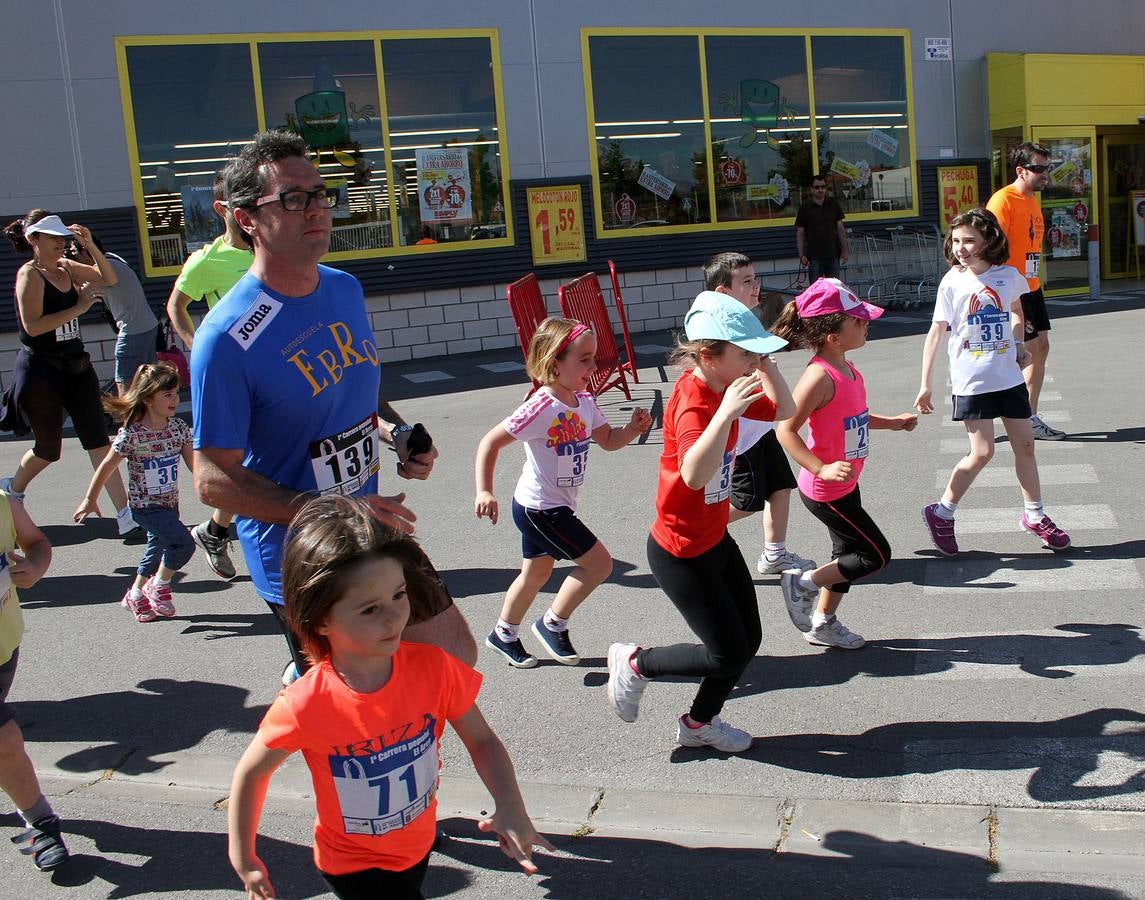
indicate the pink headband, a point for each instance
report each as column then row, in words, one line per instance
column 577, row 330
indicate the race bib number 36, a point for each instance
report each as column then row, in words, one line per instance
column 161, row 474
column 856, row 432
column 380, row 792
column 344, row 462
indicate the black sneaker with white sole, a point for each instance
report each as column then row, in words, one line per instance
column 513, row 651
column 556, row 643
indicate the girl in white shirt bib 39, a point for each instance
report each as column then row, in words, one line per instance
column 979, row 307
column 555, row 425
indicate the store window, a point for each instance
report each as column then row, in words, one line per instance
column 328, row 92
column 712, row 130
column 410, row 130
column 863, row 121
column 648, row 128
column 761, row 124
column 192, row 108
column 441, row 100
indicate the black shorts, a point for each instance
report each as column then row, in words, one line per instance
column 759, row 473
column 555, row 532
column 7, row 676
column 1035, row 313
column 1012, row 403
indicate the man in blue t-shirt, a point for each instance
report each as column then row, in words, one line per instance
column 299, row 409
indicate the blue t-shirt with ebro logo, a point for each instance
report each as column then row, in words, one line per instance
column 293, row 382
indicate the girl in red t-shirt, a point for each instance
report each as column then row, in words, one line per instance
column 369, row 715
column 692, row 556
column 831, row 398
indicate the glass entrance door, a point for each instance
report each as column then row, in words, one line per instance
column 1068, row 208
column 1123, row 165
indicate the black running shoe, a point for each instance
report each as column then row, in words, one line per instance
column 515, row 651
column 45, row 844
column 556, row 643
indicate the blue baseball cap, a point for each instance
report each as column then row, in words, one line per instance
column 720, row 317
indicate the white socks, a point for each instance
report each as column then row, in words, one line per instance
column 1034, row 511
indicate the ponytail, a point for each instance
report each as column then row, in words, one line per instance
column 807, row 333
column 14, row 231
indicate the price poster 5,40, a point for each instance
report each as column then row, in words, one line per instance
column 555, row 226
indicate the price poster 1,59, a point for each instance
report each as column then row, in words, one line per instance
column 555, row 227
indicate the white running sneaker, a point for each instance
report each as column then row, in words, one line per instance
column 6, row 487
column 784, row 563
column 834, row 633
column 1044, row 432
column 799, row 601
column 716, row 734
column 625, row 687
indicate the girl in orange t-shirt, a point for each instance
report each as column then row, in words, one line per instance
column 369, row 716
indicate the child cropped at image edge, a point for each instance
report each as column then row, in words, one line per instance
column 980, row 303
column 692, row 556
column 152, row 439
column 369, row 714
column 831, row 399
column 762, row 480
column 22, row 570
column 555, row 425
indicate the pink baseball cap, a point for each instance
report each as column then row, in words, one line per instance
column 830, row 295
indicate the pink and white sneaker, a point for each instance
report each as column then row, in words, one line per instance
column 140, row 608
column 1052, row 537
column 159, row 596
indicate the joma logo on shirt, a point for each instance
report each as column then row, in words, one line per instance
column 327, row 366
column 255, row 320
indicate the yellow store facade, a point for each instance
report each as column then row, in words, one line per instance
column 1089, row 111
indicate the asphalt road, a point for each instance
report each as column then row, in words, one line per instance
column 1003, row 683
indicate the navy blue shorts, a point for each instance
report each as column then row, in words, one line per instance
column 1012, row 403
column 555, row 532
column 7, row 674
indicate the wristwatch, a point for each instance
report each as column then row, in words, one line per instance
column 397, row 430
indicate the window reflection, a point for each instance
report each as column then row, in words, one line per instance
column 446, row 159
column 757, row 97
column 327, row 91
column 193, row 108
column 649, row 131
column 862, row 117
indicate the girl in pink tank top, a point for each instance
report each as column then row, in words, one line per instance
column 831, row 399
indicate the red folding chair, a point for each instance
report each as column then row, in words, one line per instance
column 528, row 308
column 582, row 300
column 629, row 365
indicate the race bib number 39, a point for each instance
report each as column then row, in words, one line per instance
column 718, row 488
column 380, row 792
column 161, row 474
column 344, row 462
column 856, row 432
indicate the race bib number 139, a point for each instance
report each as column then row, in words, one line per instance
column 344, row 462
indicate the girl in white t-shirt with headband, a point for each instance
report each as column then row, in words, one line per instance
column 555, row 425
column 979, row 304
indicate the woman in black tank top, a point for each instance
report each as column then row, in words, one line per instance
column 53, row 373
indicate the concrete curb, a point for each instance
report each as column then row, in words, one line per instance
column 921, row 836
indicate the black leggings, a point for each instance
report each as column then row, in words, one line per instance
column 716, row 596
column 857, row 545
column 46, row 393
column 373, row 884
